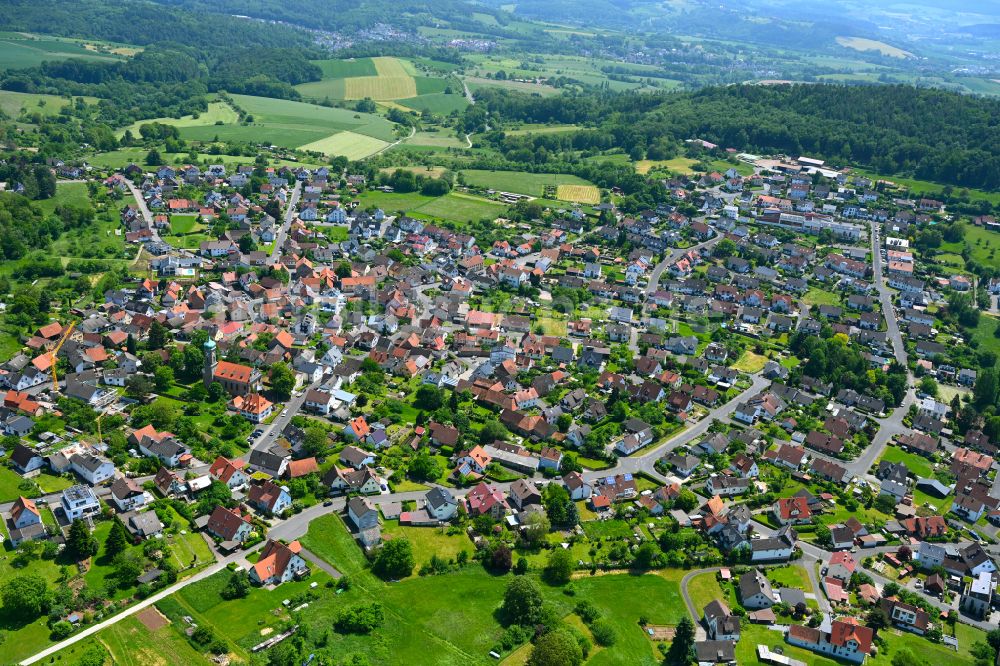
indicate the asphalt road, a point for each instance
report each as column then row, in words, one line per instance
column 143, row 208
column 671, row 257
column 279, row 239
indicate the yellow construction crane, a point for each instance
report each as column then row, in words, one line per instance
column 52, row 354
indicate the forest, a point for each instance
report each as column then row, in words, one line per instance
column 168, row 80
column 143, row 23
column 930, row 134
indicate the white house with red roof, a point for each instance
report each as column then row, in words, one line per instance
column 485, row 499
column 229, row 472
column 278, row 563
column 845, row 640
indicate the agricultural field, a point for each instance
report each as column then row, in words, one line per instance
column 438, row 102
column 862, row 44
column 351, row 145
column 19, row 50
column 294, row 124
column 678, row 165
column 458, row 207
column 14, row 103
column 587, row 194
column 425, row 171
column 434, row 139
column 476, row 83
column 384, row 79
column 218, row 113
column 522, row 182
column 530, row 128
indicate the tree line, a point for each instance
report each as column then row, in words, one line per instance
column 893, row 129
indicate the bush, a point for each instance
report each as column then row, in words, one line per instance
column 587, row 611
column 61, row 630
column 603, row 632
column 359, row 619
column 512, row 637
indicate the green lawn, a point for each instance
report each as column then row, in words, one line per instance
column 931, row 653
column 449, row 617
column 428, row 541
column 986, row 333
column 750, row 362
column 705, row 588
column 183, row 224
column 753, row 635
column 917, row 464
column 790, row 576
column 13, row 486
column 13, row 103
column 607, row 529
column 343, row 68
column 817, row 296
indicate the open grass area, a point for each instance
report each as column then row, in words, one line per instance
column 816, row 296
column 19, row 50
column 460, row 207
column 13, row 103
column 679, row 165
column 530, row 128
column 476, row 83
column 349, row 144
column 750, row 362
column 342, row 69
column 13, row 486
column 790, row 576
column 450, row 618
column 435, row 139
column 862, row 44
column 183, row 224
column 218, row 112
column 438, row 102
column 290, row 124
column 704, row 588
column 986, row 333
column 522, row 182
column 607, row 529
column 917, row 464
column 937, row 654
column 428, row 541
column 132, row 644
column 588, row 194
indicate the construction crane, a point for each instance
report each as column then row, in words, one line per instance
column 52, row 355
